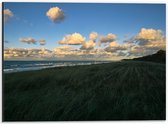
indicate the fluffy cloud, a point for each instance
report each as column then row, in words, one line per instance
column 114, row 47
column 88, row 45
column 149, row 38
column 146, row 35
column 7, row 14
column 108, row 38
column 70, row 53
column 146, row 42
column 42, row 42
column 55, row 14
column 28, row 40
column 21, row 53
column 64, row 51
column 73, row 39
column 32, row 41
column 93, row 36
column 61, row 53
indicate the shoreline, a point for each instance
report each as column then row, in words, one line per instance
column 15, row 70
column 76, row 65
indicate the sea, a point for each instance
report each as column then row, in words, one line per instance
column 18, row 66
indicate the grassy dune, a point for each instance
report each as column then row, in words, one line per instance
column 112, row 91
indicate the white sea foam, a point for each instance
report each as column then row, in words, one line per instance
column 38, row 66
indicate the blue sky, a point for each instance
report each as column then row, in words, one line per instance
column 30, row 20
column 120, row 19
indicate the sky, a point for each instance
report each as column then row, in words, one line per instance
column 81, row 31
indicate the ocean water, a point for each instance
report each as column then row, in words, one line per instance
column 18, row 66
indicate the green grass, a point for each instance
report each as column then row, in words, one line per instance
column 112, row 91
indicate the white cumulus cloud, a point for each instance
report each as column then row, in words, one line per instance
column 149, row 38
column 27, row 53
column 108, row 38
column 73, row 39
column 146, row 42
column 115, row 47
column 55, row 14
column 88, row 45
column 93, row 36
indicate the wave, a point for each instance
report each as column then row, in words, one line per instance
column 19, row 67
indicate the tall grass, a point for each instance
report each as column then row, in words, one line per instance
column 112, row 91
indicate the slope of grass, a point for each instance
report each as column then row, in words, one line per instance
column 113, row 91
column 159, row 57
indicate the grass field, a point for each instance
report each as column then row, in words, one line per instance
column 112, row 91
